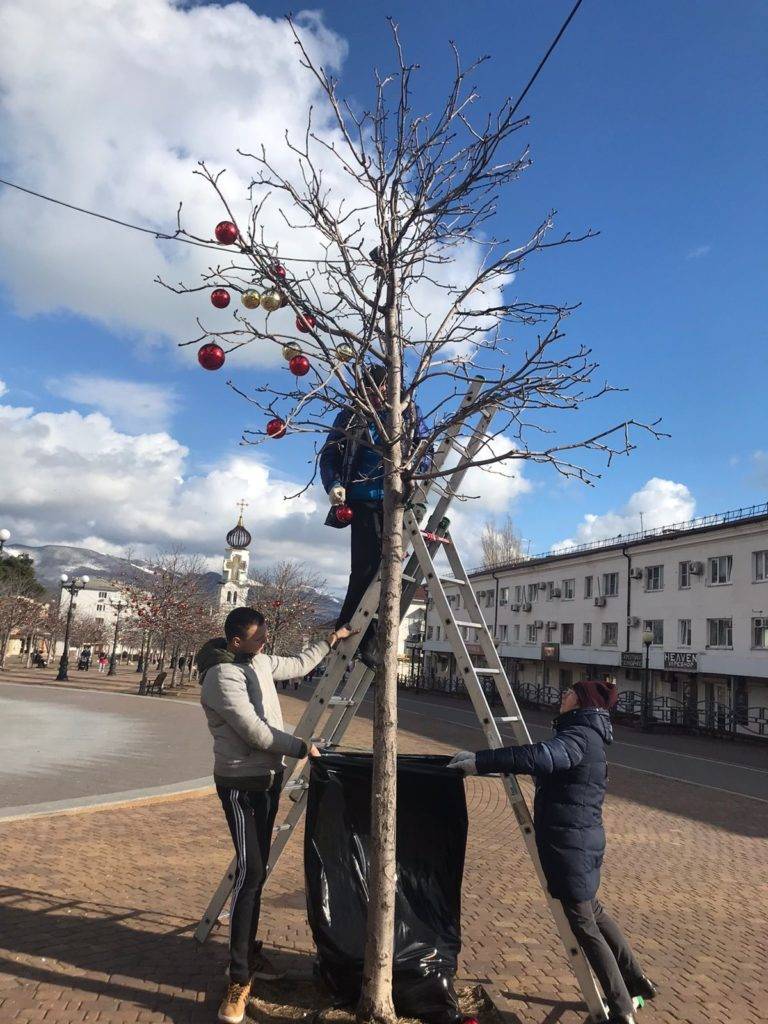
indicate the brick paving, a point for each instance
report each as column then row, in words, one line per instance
column 97, row 909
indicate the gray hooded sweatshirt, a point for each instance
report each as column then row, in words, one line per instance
column 244, row 717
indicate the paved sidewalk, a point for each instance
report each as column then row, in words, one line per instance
column 97, row 909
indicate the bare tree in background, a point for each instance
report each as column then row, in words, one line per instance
column 402, row 268
column 500, row 544
column 287, row 597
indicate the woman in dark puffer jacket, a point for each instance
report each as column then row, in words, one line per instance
column 571, row 772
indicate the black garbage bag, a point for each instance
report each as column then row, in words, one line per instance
column 431, row 843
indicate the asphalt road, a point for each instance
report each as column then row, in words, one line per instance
column 729, row 767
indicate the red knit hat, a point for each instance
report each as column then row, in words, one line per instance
column 597, row 693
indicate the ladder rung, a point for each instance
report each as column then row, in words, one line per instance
column 507, row 718
column 341, row 702
column 283, row 828
column 485, row 671
column 452, row 579
column 408, row 579
column 471, row 625
column 296, row 784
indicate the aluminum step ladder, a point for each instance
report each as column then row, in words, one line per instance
column 511, row 718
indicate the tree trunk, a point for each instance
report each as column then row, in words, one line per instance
column 376, row 997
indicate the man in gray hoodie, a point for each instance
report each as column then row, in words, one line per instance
column 244, row 717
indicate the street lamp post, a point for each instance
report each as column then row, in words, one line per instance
column 645, row 718
column 4, row 536
column 77, row 584
column 118, row 608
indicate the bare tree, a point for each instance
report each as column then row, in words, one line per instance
column 402, row 268
column 287, row 595
column 500, row 544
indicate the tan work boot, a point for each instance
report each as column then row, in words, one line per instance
column 232, row 1009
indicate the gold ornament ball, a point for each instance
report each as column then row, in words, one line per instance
column 271, row 300
column 345, row 352
column 251, row 299
column 291, row 350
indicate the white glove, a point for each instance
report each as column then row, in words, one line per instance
column 464, row 762
column 337, row 495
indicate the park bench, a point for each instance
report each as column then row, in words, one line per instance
column 156, row 686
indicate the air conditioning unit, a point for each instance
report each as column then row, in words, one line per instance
column 539, row 624
column 633, row 621
column 515, row 607
column 527, row 606
column 557, row 592
column 696, row 568
column 542, row 586
column 551, row 625
column 636, row 574
column 600, row 602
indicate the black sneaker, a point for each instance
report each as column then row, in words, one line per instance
column 622, row 1018
column 644, row 988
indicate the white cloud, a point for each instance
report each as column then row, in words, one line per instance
column 130, row 405
column 74, row 479
column 3, row 388
column 699, row 251
column 110, row 108
column 661, row 502
column 488, row 494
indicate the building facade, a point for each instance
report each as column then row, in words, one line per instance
column 690, row 602
column 234, row 570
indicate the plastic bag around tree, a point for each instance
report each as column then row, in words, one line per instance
column 431, row 843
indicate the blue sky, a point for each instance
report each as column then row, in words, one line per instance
column 648, row 124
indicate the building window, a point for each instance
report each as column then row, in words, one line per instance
column 566, row 633
column 654, row 577
column 760, row 633
column 684, row 632
column 430, row 631
column 100, row 607
column 656, row 627
column 684, row 575
column 720, row 570
column 587, row 586
column 533, row 591
column 102, row 595
column 610, row 584
column 566, row 678
column 550, row 590
column 98, row 619
column 760, row 566
column 504, row 595
column 519, row 591
column 437, row 632
column 531, row 635
column 516, row 634
column 503, row 633
column 586, row 633
column 610, row 634
column 569, row 590
column 720, row 632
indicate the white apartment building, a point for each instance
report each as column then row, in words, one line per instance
column 699, row 589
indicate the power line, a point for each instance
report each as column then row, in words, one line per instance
column 164, row 236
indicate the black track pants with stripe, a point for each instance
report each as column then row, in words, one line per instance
column 251, row 820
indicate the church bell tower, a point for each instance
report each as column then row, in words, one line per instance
column 234, row 571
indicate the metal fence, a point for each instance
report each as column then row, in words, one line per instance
column 706, row 717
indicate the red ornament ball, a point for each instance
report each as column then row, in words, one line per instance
column 220, row 298
column 276, row 427
column 305, row 323
column 343, row 514
column 226, row 232
column 211, row 356
column 278, row 270
column 299, row 366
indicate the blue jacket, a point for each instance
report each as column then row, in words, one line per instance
column 348, row 458
column 571, row 773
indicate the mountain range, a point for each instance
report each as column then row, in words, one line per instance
column 51, row 560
